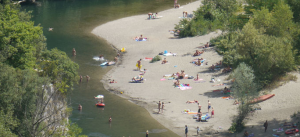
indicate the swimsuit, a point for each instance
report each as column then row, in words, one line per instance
column 199, row 110
column 209, row 107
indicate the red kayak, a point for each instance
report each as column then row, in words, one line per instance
column 291, row 131
column 100, row 104
column 261, row 98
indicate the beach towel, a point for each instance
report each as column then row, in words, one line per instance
column 144, row 39
column 147, row 59
column 169, row 54
column 184, row 87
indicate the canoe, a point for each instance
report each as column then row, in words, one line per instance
column 291, row 131
column 100, row 104
column 261, row 98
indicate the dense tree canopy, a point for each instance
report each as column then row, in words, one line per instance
column 27, row 72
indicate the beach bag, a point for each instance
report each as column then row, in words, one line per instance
column 190, row 77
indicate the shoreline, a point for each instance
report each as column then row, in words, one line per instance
column 147, row 94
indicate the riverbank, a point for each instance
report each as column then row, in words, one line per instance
column 120, row 33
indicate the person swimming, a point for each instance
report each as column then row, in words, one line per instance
column 50, row 29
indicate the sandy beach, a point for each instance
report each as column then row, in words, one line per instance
column 120, row 33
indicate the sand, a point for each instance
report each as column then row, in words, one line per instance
column 120, row 33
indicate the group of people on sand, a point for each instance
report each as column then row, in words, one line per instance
column 152, row 15
column 184, row 14
column 208, row 109
column 161, row 106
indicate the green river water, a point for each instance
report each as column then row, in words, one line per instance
column 73, row 20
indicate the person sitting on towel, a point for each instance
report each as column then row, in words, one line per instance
column 177, row 83
column 164, row 61
column 141, row 37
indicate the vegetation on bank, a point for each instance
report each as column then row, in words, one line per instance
column 261, row 40
column 31, row 78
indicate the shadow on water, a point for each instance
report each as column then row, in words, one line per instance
column 72, row 21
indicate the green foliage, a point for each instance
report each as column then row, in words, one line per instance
column 21, row 42
column 7, row 122
column 156, row 58
column 74, row 130
column 244, row 89
column 23, row 97
column 295, row 6
column 212, row 15
column 269, row 56
column 60, row 68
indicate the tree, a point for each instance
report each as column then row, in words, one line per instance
column 56, row 65
column 244, row 89
column 21, row 43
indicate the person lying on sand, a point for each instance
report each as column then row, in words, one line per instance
column 197, row 53
column 164, row 61
column 195, row 101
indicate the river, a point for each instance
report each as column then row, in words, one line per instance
column 73, row 21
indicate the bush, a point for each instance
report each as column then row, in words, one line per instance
column 156, row 58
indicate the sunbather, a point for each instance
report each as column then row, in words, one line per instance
column 195, row 101
column 206, row 45
column 177, row 83
column 212, row 67
column 164, row 61
column 182, row 75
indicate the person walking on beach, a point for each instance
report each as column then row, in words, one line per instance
column 199, row 108
column 266, row 125
column 159, row 104
column 139, row 64
column 209, row 106
column 212, row 112
column 186, row 130
column 74, row 52
column 162, row 107
column 198, row 130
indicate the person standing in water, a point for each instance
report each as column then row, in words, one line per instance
column 87, row 78
column 74, row 52
column 80, row 79
column 110, row 119
column 162, row 107
column 159, row 104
